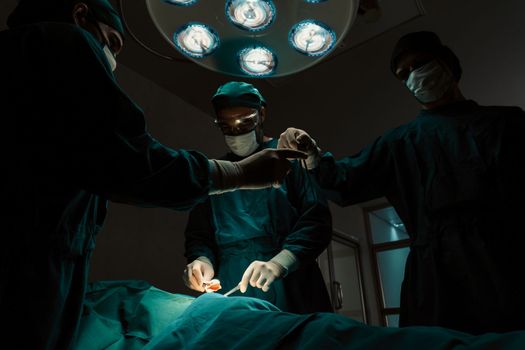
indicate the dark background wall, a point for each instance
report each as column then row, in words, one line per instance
column 140, row 243
column 148, row 243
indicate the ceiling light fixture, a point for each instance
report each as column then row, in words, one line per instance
column 254, row 38
column 312, row 38
column 257, row 61
column 196, row 40
column 251, row 15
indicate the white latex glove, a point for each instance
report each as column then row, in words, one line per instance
column 299, row 139
column 260, row 170
column 261, row 274
column 267, row 167
column 197, row 272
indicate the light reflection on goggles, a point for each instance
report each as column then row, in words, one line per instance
column 239, row 125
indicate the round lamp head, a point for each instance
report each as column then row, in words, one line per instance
column 312, row 38
column 196, row 40
column 257, row 61
column 254, row 38
column 251, row 15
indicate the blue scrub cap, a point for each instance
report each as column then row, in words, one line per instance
column 34, row 11
column 425, row 41
column 237, row 93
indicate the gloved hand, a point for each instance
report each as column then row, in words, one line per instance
column 261, row 274
column 260, row 170
column 197, row 272
column 300, row 140
column 267, row 167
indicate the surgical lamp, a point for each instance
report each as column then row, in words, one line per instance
column 254, row 38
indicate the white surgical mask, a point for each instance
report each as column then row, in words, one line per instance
column 111, row 58
column 429, row 82
column 242, row 145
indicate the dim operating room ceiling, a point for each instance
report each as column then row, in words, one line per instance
column 195, row 84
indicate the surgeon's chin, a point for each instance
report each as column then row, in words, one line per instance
column 452, row 95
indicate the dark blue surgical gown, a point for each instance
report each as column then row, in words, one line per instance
column 71, row 141
column 236, row 228
column 456, row 177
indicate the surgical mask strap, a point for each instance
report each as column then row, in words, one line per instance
column 110, row 55
column 104, row 41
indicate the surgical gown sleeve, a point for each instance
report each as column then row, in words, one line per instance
column 200, row 235
column 105, row 146
column 361, row 177
column 312, row 231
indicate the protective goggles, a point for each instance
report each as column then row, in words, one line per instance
column 240, row 125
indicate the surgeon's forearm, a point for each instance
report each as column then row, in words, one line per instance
column 224, row 176
column 205, row 259
column 287, row 260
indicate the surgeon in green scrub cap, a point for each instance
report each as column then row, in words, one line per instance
column 266, row 240
column 73, row 140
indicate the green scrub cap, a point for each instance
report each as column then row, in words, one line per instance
column 34, row 11
column 429, row 42
column 237, row 93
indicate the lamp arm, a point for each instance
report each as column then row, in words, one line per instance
column 141, row 43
